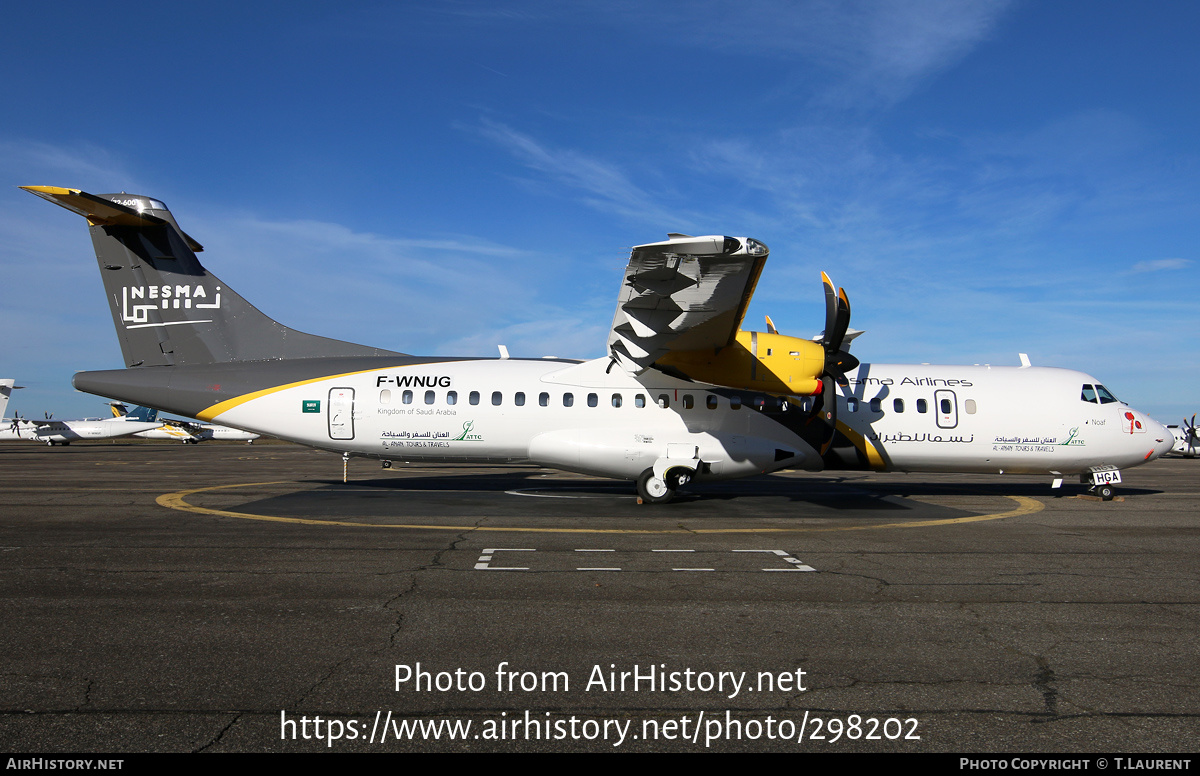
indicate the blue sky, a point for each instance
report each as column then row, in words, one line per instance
column 984, row 178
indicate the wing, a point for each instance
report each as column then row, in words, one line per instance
column 688, row 293
column 193, row 430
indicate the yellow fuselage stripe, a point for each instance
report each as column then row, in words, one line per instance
column 212, row 412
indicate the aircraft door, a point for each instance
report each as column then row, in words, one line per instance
column 341, row 413
column 947, row 408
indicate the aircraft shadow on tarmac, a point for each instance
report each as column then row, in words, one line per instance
column 839, row 494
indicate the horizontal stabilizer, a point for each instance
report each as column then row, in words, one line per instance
column 98, row 210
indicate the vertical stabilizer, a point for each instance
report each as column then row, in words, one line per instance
column 6, row 389
column 167, row 308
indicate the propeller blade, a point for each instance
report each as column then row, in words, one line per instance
column 831, row 311
column 828, row 411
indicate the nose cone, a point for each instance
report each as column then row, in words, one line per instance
column 1161, row 437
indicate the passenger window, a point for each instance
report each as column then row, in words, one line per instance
column 497, row 397
column 568, row 400
column 385, row 396
column 616, row 400
column 452, row 397
column 759, row 403
column 639, row 400
column 735, row 402
column 947, row 407
column 543, row 400
column 852, row 404
column 969, row 405
column 898, row 405
column 664, row 400
column 922, row 406
column 1089, row 394
column 519, row 399
column 407, row 397
column 688, row 402
column 429, row 397
column 473, row 398
column 876, row 405
column 710, row 401
column 593, row 400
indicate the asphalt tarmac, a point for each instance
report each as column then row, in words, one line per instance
column 171, row 598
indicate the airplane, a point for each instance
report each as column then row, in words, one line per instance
column 64, row 432
column 1187, row 441
column 186, row 431
column 683, row 394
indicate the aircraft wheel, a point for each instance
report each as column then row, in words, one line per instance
column 652, row 490
column 1106, row 492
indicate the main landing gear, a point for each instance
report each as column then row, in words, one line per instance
column 653, row 489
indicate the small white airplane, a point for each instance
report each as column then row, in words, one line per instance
column 1187, row 441
column 683, row 394
column 64, row 432
column 186, row 431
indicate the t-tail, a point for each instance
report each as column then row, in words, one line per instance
column 167, row 308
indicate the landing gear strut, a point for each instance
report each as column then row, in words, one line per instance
column 1102, row 483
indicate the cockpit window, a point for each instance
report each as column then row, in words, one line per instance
column 1089, row 394
column 1105, row 396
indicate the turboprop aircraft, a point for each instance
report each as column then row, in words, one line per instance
column 683, row 394
column 186, row 431
column 1187, row 440
column 64, row 432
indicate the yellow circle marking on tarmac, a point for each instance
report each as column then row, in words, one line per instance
column 178, row 501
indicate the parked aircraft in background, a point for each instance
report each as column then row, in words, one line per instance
column 1187, row 441
column 187, row 431
column 64, row 432
column 683, row 394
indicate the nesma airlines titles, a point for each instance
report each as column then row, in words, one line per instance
column 684, row 393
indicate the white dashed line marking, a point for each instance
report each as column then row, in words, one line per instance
column 484, row 563
column 486, row 558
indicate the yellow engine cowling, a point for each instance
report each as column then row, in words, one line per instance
column 758, row 361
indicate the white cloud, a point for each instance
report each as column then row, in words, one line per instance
column 1158, row 265
column 604, row 186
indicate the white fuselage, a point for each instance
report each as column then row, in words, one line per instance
column 995, row 419
column 591, row 418
column 65, row 431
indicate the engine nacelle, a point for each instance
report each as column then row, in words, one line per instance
column 757, row 361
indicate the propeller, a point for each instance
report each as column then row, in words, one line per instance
column 837, row 360
column 1190, row 430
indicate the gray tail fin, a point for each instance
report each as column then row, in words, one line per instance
column 168, row 309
